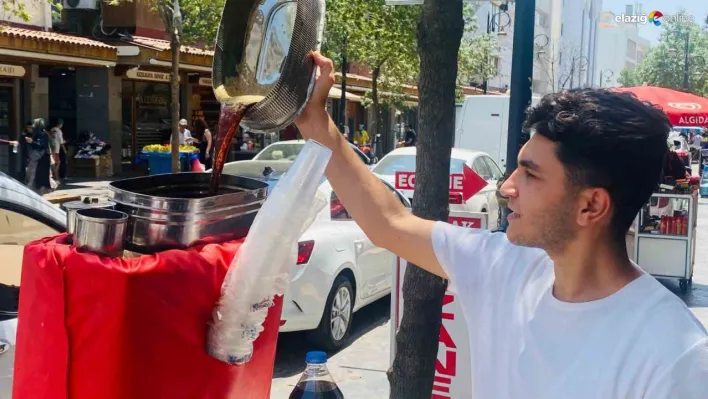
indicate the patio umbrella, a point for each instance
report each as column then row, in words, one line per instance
column 683, row 109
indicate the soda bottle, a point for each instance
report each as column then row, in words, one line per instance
column 316, row 383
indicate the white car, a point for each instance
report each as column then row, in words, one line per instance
column 403, row 160
column 24, row 217
column 338, row 269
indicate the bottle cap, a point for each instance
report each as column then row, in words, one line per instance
column 316, row 357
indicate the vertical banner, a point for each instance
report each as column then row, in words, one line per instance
column 452, row 368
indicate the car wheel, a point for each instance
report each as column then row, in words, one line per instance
column 337, row 317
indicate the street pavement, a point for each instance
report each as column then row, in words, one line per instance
column 360, row 367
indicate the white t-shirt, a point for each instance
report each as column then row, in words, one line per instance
column 640, row 343
column 58, row 140
column 183, row 136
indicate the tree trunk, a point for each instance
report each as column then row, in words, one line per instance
column 174, row 105
column 439, row 35
column 375, row 127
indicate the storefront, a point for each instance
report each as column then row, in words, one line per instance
column 203, row 102
column 11, row 98
column 145, row 69
column 29, row 60
column 146, row 111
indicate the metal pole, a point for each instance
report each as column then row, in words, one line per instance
column 521, row 77
column 601, row 72
column 685, row 64
column 485, row 84
column 343, row 98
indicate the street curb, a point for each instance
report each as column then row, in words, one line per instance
column 59, row 199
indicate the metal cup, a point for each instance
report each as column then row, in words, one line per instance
column 73, row 206
column 101, row 231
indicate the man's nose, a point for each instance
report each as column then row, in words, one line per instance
column 508, row 187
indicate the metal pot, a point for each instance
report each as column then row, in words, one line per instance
column 87, row 203
column 174, row 211
column 263, row 58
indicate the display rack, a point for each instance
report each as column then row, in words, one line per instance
column 665, row 237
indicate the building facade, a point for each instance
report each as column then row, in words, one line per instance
column 565, row 42
column 623, row 48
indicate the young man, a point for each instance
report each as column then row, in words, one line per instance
column 555, row 309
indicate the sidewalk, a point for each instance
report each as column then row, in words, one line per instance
column 78, row 188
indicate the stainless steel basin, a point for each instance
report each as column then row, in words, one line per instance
column 174, row 211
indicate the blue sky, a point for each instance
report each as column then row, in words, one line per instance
column 695, row 8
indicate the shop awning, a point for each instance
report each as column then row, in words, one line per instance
column 336, row 93
column 157, row 52
column 52, row 47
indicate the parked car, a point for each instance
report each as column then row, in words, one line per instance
column 24, row 217
column 338, row 269
column 281, row 155
column 403, row 160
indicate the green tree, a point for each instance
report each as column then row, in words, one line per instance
column 476, row 52
column 385, row 39
column 665, row 63
column 629, row 78
column 379, row 36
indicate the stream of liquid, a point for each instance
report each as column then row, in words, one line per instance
column 229, row 120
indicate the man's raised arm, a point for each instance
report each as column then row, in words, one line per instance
column 381, row 215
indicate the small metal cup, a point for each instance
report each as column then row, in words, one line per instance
column 101, row 231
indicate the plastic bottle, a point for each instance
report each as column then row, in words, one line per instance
column 316, row 382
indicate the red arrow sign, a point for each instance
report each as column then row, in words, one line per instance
column 468, row 183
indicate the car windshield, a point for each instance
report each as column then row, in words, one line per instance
column 280, row 152
column 406, row 163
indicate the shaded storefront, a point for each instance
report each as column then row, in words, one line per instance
column 39, row 79
column 146, row 112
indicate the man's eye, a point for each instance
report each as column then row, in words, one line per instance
column 526, row 172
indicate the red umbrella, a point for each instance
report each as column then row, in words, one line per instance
column 683, row 109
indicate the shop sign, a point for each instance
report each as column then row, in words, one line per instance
column 468, row 183
column 14, row 71
column 147, row 75
column 452, row 368
column 205, row 82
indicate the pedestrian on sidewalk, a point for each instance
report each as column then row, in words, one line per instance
column 39, row 174
column 58, row 149
column 203, row 139
column 554, row 306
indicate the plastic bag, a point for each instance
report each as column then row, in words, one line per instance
column 270, row 250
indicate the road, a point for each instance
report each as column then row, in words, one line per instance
column 360, row 368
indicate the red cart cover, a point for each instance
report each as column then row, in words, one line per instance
column 93, row 327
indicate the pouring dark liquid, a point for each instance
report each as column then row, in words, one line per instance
column 229, row 120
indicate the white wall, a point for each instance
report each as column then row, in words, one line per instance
column 579, row 41
column 569, row 24
column 40, row 14
column 614, row 38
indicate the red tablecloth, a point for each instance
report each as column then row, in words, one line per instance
column 92, row 327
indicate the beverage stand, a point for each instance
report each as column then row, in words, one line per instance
column 121, row 307
column 665, row 236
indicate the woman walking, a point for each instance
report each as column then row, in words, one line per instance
column 39, row 168
column 203, row 139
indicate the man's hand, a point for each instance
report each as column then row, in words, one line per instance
column 313, row 122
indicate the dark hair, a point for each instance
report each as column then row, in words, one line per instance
column 200, row 126
column 606, row 139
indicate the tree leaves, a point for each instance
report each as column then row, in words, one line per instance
column 665, row 63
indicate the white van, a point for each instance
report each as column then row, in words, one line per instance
column 482, row 124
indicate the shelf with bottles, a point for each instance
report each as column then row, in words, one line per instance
column 666, row 216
